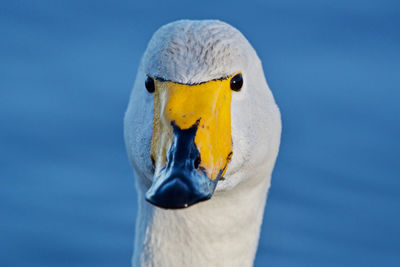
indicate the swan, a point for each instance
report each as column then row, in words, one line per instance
column 202, row 132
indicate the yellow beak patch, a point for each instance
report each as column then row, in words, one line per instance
column 209, row 105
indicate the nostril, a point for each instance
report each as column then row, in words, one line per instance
column 153, row 161
column 197, row 162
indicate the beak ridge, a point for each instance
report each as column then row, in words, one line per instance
column 181, row 183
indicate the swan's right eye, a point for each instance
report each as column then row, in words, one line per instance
column 149, row 83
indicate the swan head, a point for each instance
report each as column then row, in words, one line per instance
column 201, row 118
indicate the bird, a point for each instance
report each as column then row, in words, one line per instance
column 202, row 133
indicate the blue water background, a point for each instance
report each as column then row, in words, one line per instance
column 67, row 194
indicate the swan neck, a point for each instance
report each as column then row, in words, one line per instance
column 223, row 231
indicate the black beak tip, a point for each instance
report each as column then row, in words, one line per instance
column 175, row 194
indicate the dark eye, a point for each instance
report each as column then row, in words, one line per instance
column 150, row 85
column 237, row 82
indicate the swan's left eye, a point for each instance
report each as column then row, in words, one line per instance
column 150, row 85
column 237, row 82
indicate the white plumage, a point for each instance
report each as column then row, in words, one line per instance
column 224, row 230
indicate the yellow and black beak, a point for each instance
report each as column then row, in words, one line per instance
column 191, row 144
